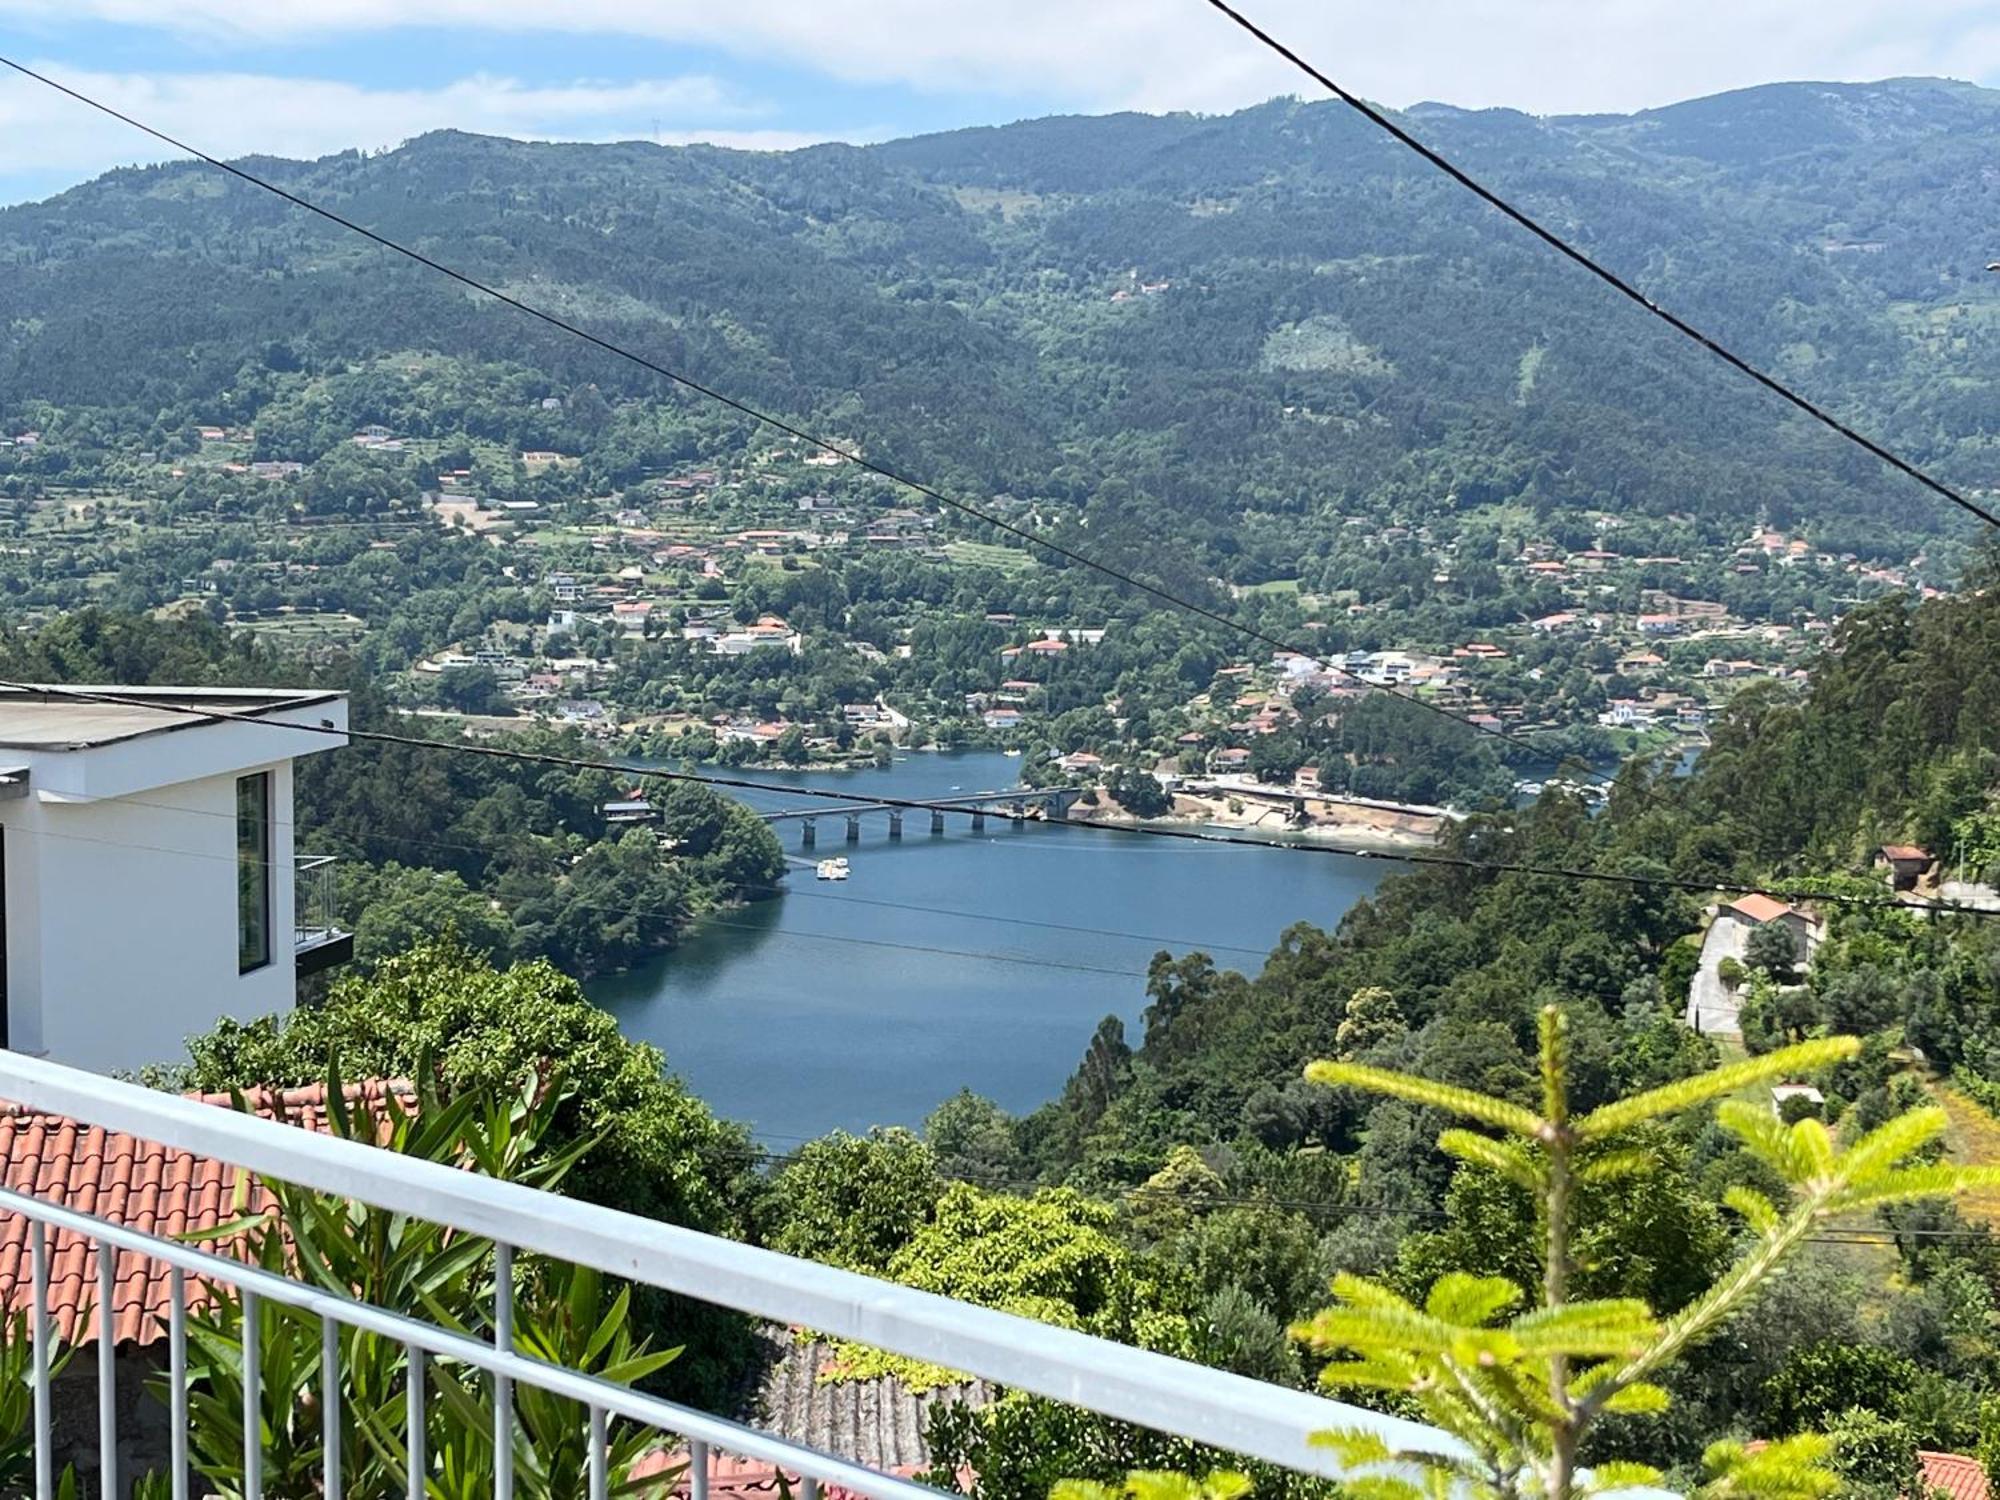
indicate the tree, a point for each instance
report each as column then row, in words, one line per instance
column 654, row 1149
column 1774, row 948
column 472, row 690
column 1875, row 1456
column 974, row 1138
column 1052, row 1257
column 1523, row 1394
column 1372, row 1017
column 1139, row 793
column 854, row 1201
column 1820, row 1382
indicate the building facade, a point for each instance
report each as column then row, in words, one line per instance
column 148, row 869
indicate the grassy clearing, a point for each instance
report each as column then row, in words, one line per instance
column 989, row 555
column 1974, row 1140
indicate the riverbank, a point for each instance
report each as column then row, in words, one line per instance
column 1332, row 821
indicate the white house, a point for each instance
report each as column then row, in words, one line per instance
column 147, row 868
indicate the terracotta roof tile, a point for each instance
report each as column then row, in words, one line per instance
column 1759, row 908
column 1960, row 1477
column 140, row 1184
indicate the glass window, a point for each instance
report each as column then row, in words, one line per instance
column 253, row 871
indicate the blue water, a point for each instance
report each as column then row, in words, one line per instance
column 838, row 1006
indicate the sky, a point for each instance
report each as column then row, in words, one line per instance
column 309, row 77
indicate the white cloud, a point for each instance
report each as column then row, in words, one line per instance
column 1547, row 55
column 233, row 114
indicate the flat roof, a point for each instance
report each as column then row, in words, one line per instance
column 39, row 716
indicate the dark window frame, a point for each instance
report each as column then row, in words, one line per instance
column 253, row 872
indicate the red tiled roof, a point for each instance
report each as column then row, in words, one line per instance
column 139, row 1184
column 1759, row 908
column 1905, row 851
column 1960, row 1477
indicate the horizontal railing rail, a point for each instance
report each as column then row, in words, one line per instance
column 1214, row 1407
column 597, row 1395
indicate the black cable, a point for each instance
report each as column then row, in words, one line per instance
column 1199, row 836
column 1609, row 277
column 779, row 424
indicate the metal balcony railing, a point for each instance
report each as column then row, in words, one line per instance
column 314, row 905
column 1210, row 1406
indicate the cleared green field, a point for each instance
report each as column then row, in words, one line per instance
column 989, row 555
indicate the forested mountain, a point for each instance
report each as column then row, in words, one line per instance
column 1257, row 323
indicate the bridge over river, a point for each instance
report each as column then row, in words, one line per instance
column 1049, row 803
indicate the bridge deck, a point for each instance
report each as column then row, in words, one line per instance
column 968, row 802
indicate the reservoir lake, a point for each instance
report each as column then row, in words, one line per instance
column 841, row 1005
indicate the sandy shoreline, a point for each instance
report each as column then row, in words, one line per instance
column 1345, row 825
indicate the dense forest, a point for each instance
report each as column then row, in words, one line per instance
column 1253, row 325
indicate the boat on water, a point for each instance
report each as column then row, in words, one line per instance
column 832, row 869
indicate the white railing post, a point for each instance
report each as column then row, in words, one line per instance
column 107, row 1373
column 253, row 1396
column 413, row 1377
column 503, row 1388
column 177, row 1384
column 329, row 1406
column 600, row 1458
column 45, row 1458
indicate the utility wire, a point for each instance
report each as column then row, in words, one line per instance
column 780, row 424
column 1609, row 277
column 866, row 800
column 494, row 846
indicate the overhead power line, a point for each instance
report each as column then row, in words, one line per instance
column 1683, row 884
column 1603, row 273
column 791, row 429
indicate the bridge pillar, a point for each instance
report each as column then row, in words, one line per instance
column 895, row 822
column 854, row 828
column 979, row 820
column 937, row 820
column 1056, row 808
column 806, row 833
column 1016, row 811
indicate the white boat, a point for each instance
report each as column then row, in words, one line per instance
column 831, row 869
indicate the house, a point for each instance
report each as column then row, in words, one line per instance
column 630, row 808
column 1235, row 758
column 1759, row 909
column 1002, row 718
column 1904, row 863
column 769, row 631
column 1081, row 760
column 147, row 867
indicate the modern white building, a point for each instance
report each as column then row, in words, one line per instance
column 149, row 883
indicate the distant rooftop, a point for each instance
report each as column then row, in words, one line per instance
column 42, row 717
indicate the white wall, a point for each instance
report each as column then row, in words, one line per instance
column 121, row 921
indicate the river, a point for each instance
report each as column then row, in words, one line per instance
column 838, row 1005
